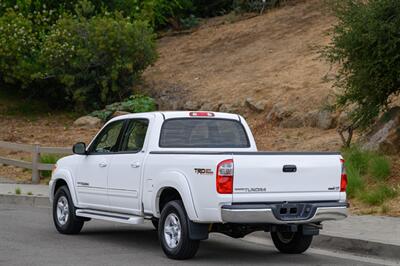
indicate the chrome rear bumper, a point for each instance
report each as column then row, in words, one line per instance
column 270, row 213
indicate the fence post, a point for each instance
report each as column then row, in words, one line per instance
column 35, row 164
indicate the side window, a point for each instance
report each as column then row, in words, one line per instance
column 107, row 140
column 134, row 135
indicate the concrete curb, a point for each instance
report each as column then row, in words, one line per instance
column 325, row 242
column 357, row 246
column 25, row 200
column 342, row 244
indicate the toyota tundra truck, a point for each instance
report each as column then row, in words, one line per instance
column 196, row 173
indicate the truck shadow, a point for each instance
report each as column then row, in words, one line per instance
column 217, row 249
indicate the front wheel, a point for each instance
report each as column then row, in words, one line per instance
column 173, row 232
column 291, row 242
column 64, row 216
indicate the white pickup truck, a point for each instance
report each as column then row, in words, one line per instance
column 194, row 173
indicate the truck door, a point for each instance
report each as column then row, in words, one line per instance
column 124, row 178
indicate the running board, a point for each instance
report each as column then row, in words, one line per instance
column 110, row 216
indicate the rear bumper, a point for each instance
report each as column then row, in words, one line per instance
column 271, row 213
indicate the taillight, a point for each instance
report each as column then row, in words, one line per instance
column 225, row 177
column 207, row 114
column 343, row 179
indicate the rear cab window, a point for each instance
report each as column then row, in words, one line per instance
column 203, row 133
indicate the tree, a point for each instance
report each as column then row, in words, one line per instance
column 366, row 46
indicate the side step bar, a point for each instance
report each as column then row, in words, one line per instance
column 110, row 216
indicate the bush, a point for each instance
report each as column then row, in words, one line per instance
column 93, row 62
column 85, row 60
column 379, row 168
column 50, row 159
column 18, row 49
column 366, row 45
column 377, row 196
column 134, row 104
column 355, row 181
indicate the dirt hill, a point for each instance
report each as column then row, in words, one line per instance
column 272, row 58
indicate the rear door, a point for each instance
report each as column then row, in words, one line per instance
column 262, row 177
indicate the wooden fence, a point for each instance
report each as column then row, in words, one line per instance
column 35, row 150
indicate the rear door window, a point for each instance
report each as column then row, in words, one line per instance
column 203, row 133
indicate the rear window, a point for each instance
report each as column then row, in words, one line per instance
column 203, row 133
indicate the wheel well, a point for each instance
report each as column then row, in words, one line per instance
column 59, row 183
column 168, row 194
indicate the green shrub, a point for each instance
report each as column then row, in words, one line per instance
column 379, row 168
column 49, row 159
column 18, row 191
column 19, row 46
column 96, row 61
column 366, row 45
column 377, row 196
column 357, row 159
column 134, row 104
column 355, row 181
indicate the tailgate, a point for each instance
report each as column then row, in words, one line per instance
column 261, row 177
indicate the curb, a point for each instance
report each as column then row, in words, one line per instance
column 347, row 245
column 322, row 241
column 357, row 246
column 25, row 200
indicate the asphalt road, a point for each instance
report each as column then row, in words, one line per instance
column 28, row 237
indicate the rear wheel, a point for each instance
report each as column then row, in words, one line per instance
column 173, row 232
column 64, row 217
column 291, row 242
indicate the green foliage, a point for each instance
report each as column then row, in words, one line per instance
column 96, row 61
column 379, row 195
column 48, row 159
column 19, row 46
column 189, row 22
column 379, row 168
column 133, row 104
column 18, row 191
column 86, row 60
column 364, row 167
column 366, row 45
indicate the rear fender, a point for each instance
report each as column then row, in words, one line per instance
column 178, row 181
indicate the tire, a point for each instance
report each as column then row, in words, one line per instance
column 70, row 224
column 176, row 243
column 155, row 222
column 291, row 243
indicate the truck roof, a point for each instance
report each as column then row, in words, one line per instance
column 183, row 114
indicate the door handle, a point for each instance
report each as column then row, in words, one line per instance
column 135, row 165
column 289, row 168
column 102, row 165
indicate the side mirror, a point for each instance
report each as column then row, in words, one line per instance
column 79, row 148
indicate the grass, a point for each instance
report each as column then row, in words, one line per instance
column 378, row 195
column 368, row 173
column 18, row 191
column 50, row 159
column 29, row 193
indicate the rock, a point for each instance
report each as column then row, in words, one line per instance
column 255, row 106
column 325, row 120
column 119, row 113
column 294, row 121
column 87, row 122
column 278, row 113
column 385, row 134
column 311, row 118
column 191, row 106
column 209, row 107
column 228, row 108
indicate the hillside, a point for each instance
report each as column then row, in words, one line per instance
column 272, row 59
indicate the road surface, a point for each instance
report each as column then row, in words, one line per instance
column 28, row 237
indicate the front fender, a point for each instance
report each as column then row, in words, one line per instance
column 65, row 175
column 178, row 181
